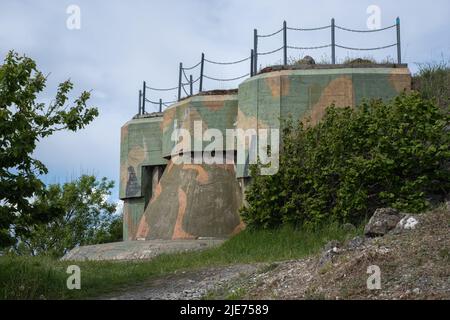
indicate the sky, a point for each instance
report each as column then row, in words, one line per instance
column 121, row 43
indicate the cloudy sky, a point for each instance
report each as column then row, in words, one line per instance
column 121, row 43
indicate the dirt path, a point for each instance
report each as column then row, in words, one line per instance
column 185, row 285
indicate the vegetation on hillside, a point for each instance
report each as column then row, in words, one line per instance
column 379, row 154
column 89, row 218
column 42, row 277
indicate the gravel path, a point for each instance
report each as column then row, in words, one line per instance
column 190, row 285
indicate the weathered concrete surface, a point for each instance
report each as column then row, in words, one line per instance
column 191, row 201
column 137, row 250
column 267, row 98
column 212, row 111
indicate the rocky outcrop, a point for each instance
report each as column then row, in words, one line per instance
column 382, row 221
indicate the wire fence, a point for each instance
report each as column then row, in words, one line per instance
column 186, row 75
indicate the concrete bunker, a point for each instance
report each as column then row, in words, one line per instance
column 165, row 200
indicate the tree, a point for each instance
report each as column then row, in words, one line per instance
column 24, row 122
column 353, row 161
column 88, row 218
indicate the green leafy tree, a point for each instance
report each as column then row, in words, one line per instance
column 89, row 218
column 353, row 161
column 24, row 122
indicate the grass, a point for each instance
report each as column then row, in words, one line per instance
column 45, row 278
column 433, row 82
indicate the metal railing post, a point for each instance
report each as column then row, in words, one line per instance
column 251, row 62
column 285, row 43
column 399, row 47
column 143, row 97
column 140, row 102
column 255, row 52
column 191, row 85
column 333, row 42
column 202, row 63
column 160, row 104
column 179, row 81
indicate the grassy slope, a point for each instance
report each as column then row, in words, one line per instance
column 40, row 277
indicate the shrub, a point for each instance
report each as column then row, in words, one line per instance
column 353, row 161
column 433, row 82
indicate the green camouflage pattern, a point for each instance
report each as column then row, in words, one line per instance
column 214, row 111
column 140, row 146
column 267, row 98
column 191, row 201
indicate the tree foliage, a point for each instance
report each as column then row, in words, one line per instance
column 355, row 160
column 24, row 122
column 88, row 218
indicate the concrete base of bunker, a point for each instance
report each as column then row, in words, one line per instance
column 193, row 201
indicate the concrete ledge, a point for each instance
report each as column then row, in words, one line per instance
column 137, row 250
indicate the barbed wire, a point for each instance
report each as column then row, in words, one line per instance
column 161, row 89
column 270, row 34
column 309, row 48
column 228, row 63
column 365, row 31
column 230, row 79
column 309, row 29
column 366, row 49
column 269, row 52
column 193, row 67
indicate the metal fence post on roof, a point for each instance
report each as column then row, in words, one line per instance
column 160, row 104
column 202, row 63
column 399, row 48
column 140, row 102
column 251, row 62
column 255, row 52
column 143, row 97
column 179, row 81
column 191, row 85
column 333, row 42
column 285, row 42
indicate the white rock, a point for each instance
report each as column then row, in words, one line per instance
column 408, row 223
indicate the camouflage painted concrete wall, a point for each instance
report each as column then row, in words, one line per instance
column 269, row 97
column 140, row 146
column 193, row 201
column 214, row 111
column 200, row 200
column 140, row 155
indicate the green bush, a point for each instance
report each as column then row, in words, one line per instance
column 355, row 160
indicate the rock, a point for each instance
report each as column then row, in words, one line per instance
column 355, row 243
column 348, row 227
column 382, row 221
column 407, row 223
column 332, row 245
column 331, row 249
column 308, row 60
